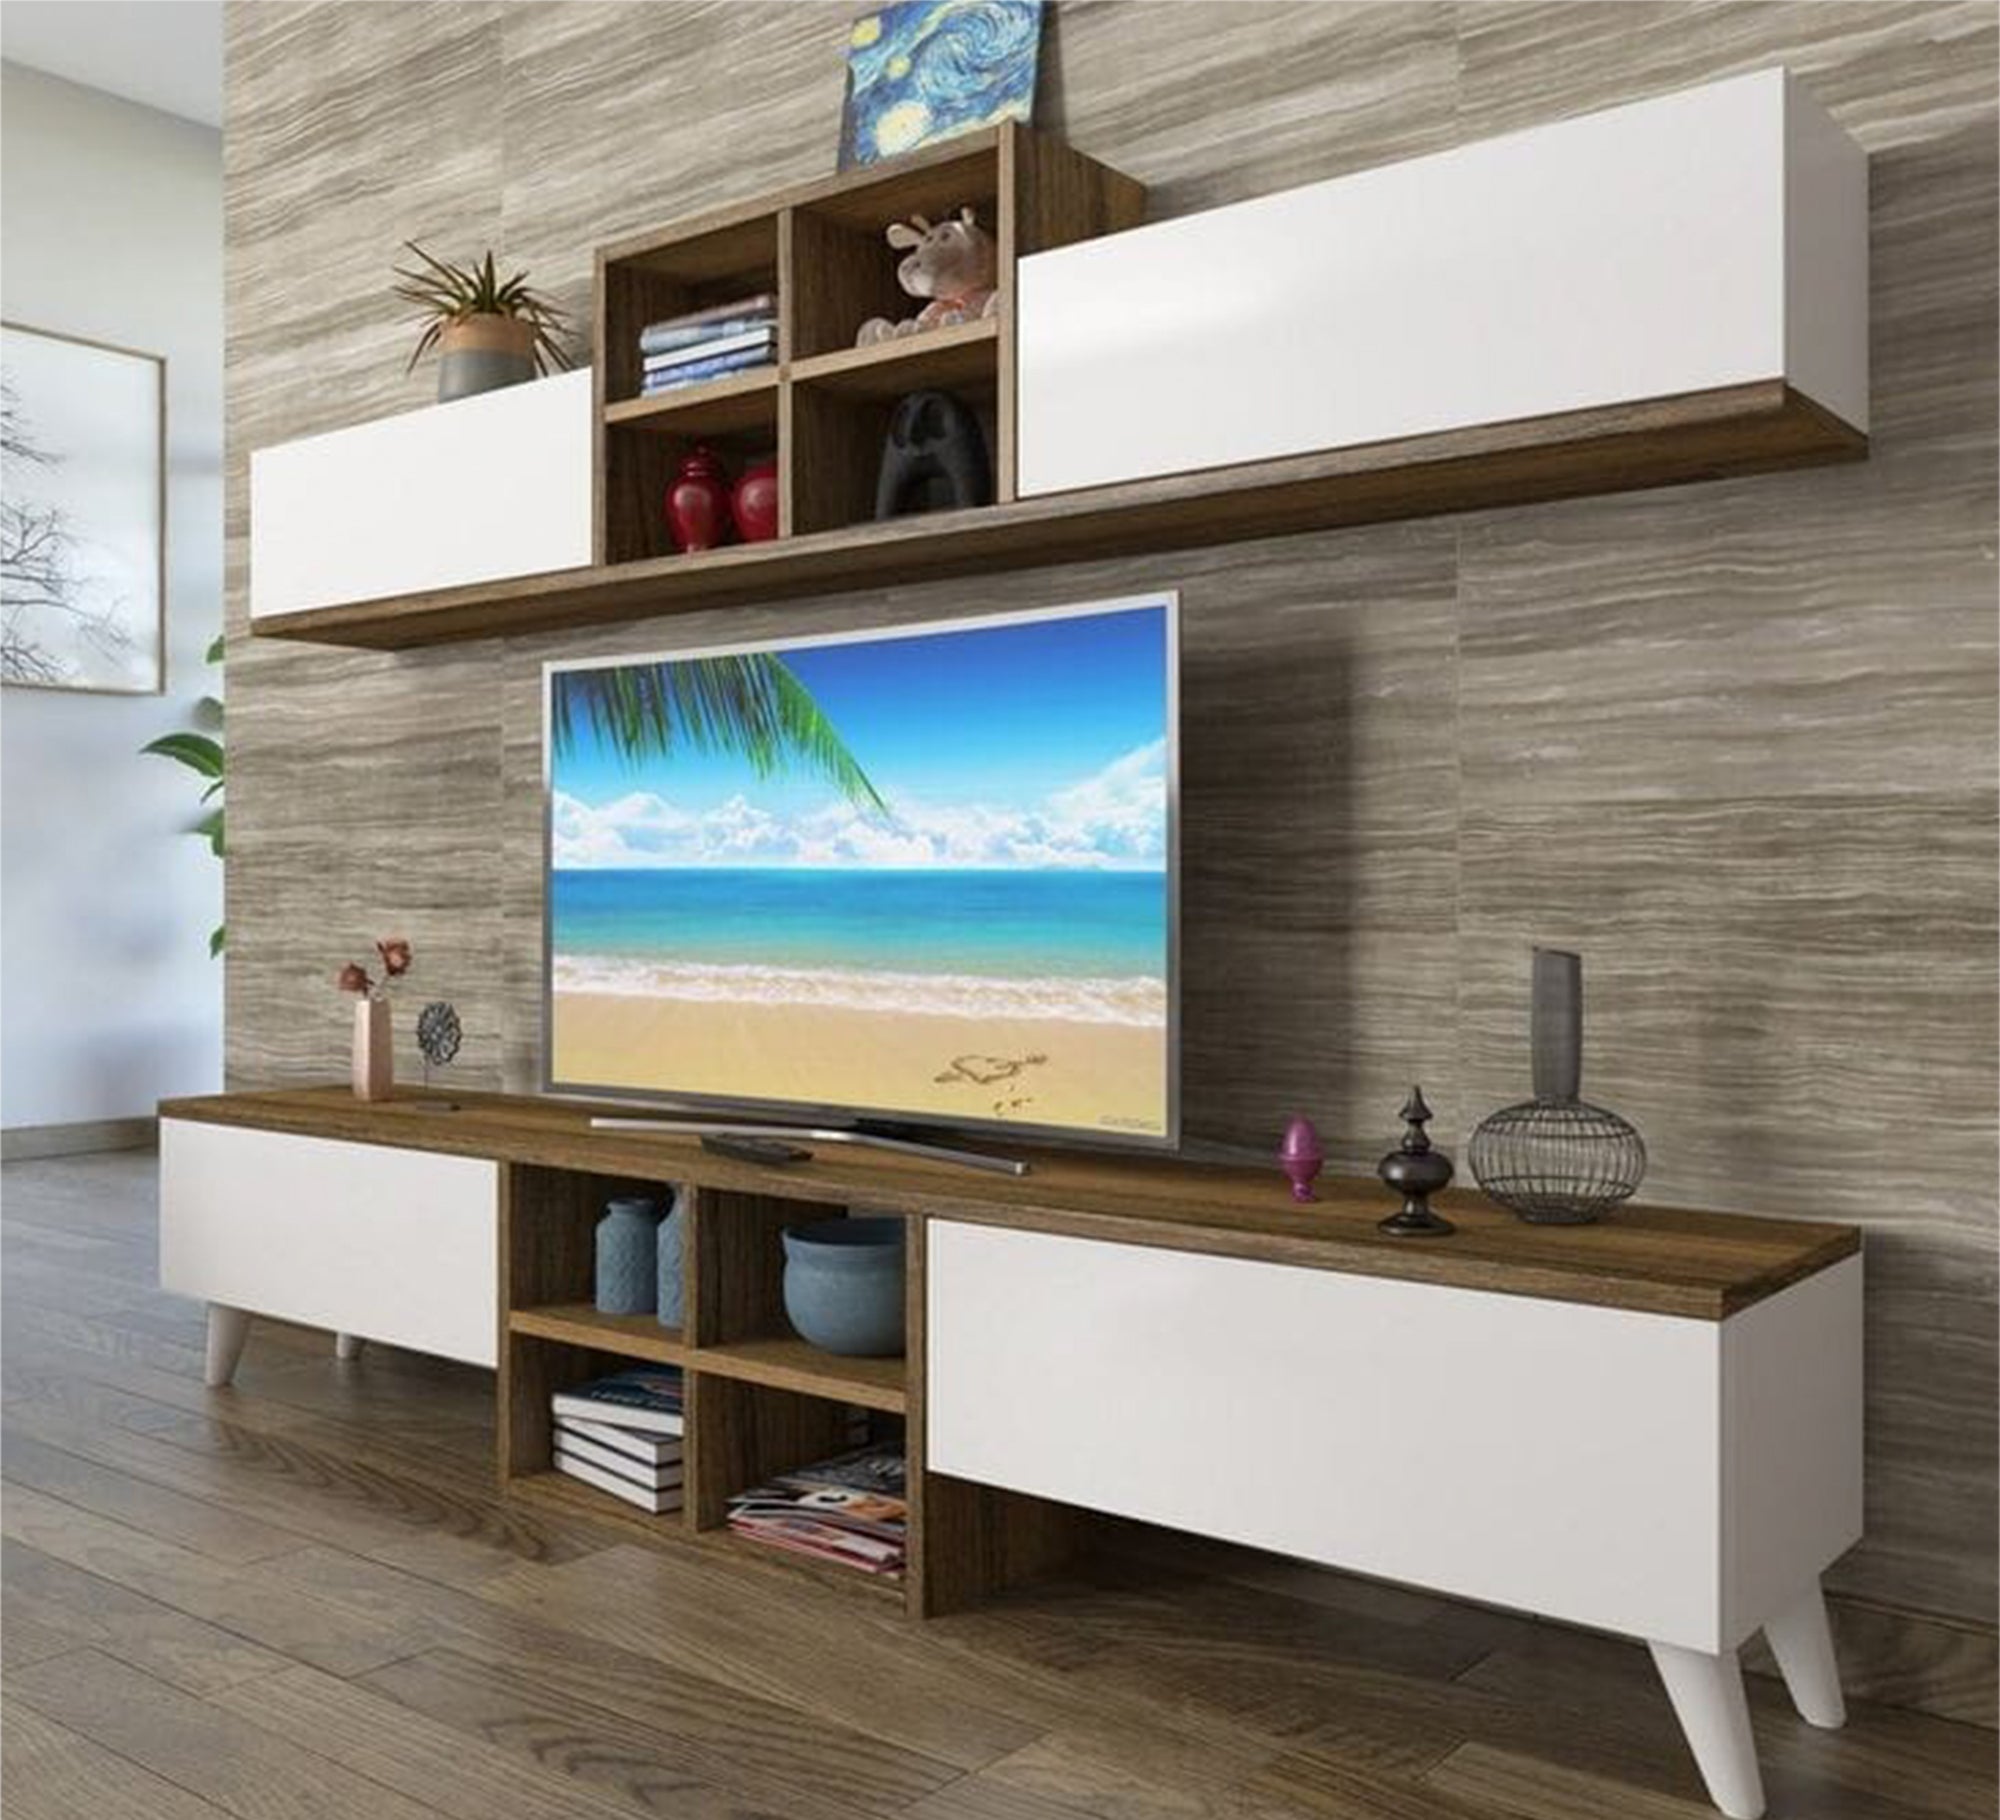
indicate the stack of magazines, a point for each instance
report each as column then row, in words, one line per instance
column 706, row 344
column 850, row 1510
column 622, row 1434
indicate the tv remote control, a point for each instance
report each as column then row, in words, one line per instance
column 756, row 1150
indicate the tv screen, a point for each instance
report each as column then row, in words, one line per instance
column 922, row 876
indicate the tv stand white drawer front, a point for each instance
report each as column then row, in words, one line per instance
column 373, row 1242
column 1670, row 1478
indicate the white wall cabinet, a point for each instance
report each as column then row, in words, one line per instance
column 479, row 490
column 1711, row 238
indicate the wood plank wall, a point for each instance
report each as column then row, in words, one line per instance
column 1734, row 742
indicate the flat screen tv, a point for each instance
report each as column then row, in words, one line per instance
column 917, row 877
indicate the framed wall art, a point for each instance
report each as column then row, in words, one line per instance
column 82, row 514
column 923, row 70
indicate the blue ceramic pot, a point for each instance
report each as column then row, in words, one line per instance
column 844, row 1285
column 628, row 1256
column 670, row 1302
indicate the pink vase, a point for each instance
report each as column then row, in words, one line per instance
column 374, row 1055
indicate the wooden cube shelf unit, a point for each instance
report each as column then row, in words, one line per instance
column 760, row 1400
column 821, row 409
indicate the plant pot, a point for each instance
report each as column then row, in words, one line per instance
column 374, row 1052
column 483, row 353
column 844, row 1285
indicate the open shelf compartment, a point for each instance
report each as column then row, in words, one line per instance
column 646, row 441
column 753, row 1432
column 694, row 266
column 840, row 264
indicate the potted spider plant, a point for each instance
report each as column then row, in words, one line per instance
column 488, row 332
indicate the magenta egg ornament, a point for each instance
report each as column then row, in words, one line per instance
column 1301, row 1158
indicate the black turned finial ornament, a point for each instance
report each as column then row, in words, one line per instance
column 1416, row 1172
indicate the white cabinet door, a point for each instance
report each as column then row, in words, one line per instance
column 477, row 490
column 395, row 1245
column 1559, row 1458
column 1704, row 239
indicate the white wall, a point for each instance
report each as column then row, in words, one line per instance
column 111, row 227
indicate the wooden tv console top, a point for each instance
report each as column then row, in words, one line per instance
column 1670, row 1261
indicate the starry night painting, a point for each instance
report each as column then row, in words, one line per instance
column 923, row 70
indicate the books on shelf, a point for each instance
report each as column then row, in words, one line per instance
column 851, row 1509
column 706, row 344
column 656, row 1470
column 676, row 359
column 656, row 1500
column 645, row 1397
column 713, row 366
column 716, row 321
column 636, row 1444
column 622, row 1434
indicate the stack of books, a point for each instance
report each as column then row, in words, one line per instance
column 706, row 344
column 622, row 1434
column 851, row 1510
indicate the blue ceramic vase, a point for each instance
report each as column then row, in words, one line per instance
column 844, row 1285
column 671, row 1296
column 628, row 1256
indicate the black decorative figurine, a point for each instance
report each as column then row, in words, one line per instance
column 1554, row 1160
column 1416, row 1172
column 933, row 459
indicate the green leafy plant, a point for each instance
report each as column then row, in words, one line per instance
column 445, row 294
column 750, row 705
column 201, row 751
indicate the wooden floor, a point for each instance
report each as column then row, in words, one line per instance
column 299, row 1598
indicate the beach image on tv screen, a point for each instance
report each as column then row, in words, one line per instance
column 920, row 874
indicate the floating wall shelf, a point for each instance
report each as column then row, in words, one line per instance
column 1707, row 436
column 1667, row 292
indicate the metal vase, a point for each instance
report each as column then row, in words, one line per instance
column 1556, row 1160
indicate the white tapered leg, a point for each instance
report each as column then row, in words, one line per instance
column 347, row 1346
column 1707, row 1694
column 1802, row 1641
column 228, row 1328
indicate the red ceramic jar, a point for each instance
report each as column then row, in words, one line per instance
column 698, row 502
column 755, row 501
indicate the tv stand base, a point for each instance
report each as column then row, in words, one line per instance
column 1707, row 1438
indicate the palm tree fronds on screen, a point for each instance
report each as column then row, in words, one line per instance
column 751, row 705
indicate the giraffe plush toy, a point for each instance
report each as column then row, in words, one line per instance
column 952, row 264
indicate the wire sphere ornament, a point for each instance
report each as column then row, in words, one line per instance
column 438, row 1035
column 1557, row 1162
